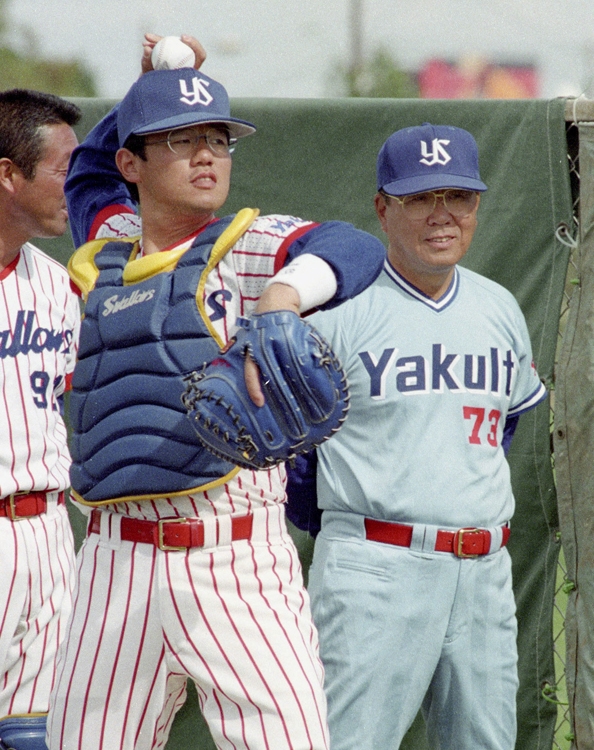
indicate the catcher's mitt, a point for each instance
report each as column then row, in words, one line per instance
column 304, row 385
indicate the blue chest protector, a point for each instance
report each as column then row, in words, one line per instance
column 131, row 437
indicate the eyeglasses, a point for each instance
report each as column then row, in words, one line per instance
column 185, row 143
column 459, row 203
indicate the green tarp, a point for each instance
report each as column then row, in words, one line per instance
column 316, row 159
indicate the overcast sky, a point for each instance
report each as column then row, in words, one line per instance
column 287, row 48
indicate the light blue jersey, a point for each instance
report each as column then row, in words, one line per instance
column 404, row 625
column 432, row 383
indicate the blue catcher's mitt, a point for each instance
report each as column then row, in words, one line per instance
column 304, row 385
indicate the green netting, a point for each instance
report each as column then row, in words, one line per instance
column 574, row 443
column 316, row 159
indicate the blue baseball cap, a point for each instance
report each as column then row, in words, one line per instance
column 163, row 100
column 428, row 157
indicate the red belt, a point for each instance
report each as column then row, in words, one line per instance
column 469, row 542
column 170, row 533
column 26, row 505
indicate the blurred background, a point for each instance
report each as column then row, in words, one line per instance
column 311, row 48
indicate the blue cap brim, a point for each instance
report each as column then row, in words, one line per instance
column 237, row 128
column 425, row 183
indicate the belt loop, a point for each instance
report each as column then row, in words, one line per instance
column 496, row 539
column 210, row 532
column 423, row 539
column 418, row 537
column 224, row 530
column 430, row 538
column 110, row 530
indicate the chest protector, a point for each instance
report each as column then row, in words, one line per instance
column 144, row 328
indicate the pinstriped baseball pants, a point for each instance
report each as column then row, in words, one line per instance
column 234, row 618
column 36, row 580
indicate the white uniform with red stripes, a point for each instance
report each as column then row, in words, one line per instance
column 234, row 618
column 39, row 322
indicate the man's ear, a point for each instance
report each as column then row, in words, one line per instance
column 126, row 162
column 380, row 209
column 8, row 172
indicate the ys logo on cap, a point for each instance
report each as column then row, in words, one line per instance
column 199, row 93
column 438, row 156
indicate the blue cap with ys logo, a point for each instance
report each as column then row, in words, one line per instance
column 164, row 100
column 428, row 157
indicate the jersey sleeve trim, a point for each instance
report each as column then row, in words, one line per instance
column 10, row 267
column 530, row 402
column 282, row 252
column 105, row 215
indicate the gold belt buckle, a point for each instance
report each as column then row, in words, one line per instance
column 160, row 534
column 11, row 509
column 459, row 542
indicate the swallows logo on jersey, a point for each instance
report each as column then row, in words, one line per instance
column 199, row 93
column 25, row 338
column 438, row 155
column 115, row 304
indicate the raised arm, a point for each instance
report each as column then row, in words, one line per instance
column 99, row 201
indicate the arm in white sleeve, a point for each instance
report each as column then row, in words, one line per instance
column 311, row 277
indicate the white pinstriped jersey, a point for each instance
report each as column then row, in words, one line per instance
column 234, row 618
column 39, row 324
column 232, row 290
column 432, row 383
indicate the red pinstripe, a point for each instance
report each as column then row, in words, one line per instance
column 215, row 684
column 37, row 594
column 64, row 551
column 99, row 641
column 175, row 702
column 290, row 644
column 20, row 382
column 136, row 671
column 145, row 712
column 245, row 647
column 222, row 715
column 264, row 638
column 52, row 608
column 118, row 651
column 78, row 652
column 212, row 633
column 14, row 575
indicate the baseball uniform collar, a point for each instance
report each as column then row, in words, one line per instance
column 435, row 304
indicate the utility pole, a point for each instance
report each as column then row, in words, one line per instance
column 588, row 58
column 356, row 43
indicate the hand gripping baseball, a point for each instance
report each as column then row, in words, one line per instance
column 305, row 388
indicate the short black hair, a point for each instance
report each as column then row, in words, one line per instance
column 23, row 114
column 137, row 145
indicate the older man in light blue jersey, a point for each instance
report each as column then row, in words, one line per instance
column 411, row 580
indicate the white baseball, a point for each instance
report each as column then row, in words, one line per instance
column 171, row 53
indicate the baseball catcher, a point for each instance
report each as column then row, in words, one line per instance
column 305, row 389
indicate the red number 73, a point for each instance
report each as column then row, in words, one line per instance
column 477, row 414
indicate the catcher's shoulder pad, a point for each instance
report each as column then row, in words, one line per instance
column 82, row 268
column 304, row 385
